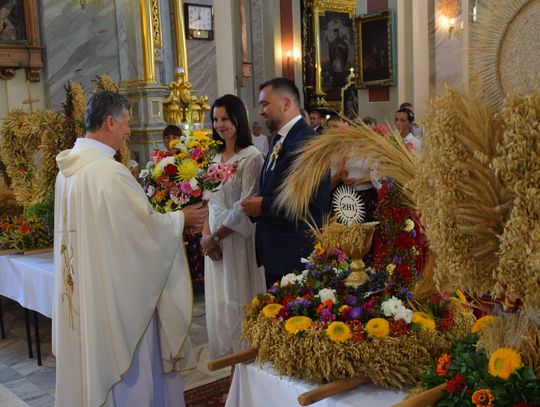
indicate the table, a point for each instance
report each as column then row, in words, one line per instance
column 29, row 280
column 259, row 385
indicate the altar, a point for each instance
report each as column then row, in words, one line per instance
column 255, row 384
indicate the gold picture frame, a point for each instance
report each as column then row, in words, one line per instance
column 328, row 50
column 20, row 44
column 375, row 50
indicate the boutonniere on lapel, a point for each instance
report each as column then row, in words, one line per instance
column 274, row 156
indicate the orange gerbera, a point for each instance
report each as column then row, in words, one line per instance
column 443, row 363
column 482, row 398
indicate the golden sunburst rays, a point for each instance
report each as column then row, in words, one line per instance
column 488, row 34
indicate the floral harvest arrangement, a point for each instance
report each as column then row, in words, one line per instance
column 185, row 174
column 475, row 379
column 312, row 325
column 23, row 233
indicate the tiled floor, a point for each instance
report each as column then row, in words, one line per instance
column 24, row 383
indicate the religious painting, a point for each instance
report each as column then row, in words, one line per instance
column 20, row 44
column 12, row 22
column 337, row 51
column 375, row 50
column 328, row 51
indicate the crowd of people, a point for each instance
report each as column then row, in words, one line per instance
column 122, row 302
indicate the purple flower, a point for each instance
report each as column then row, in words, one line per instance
column 327, row 316
column 355, row 313
column 350, row 299
column 406, row 293
column 413, row 233
column 273, row 289
column 316, row 274
column 300, row 303
column 397, row 259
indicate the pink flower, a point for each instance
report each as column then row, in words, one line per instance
column 185, row 187
column 196, row 153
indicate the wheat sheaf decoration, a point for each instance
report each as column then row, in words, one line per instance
column 356, row 141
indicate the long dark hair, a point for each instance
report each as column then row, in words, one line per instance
column 237, row 114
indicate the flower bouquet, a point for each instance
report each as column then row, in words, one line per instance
column 311, row 325
column 185, row 174
column 24, row 232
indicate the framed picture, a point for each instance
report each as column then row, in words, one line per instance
column 375, row 50
column 328, row 49
column 19, row 38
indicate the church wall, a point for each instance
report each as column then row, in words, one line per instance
column 81, row 44
column 15, row 91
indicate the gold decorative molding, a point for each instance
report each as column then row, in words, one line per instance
column 181, row 106
column 7, row 73
column 180, row 37
column 335, row 5
column 32, row 74
column 156, row 24
column 147, row 41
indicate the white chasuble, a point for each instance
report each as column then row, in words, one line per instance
column 120, row 267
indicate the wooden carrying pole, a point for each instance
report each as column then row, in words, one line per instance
column 425, row 399
column 330, row 389
column 231, row 360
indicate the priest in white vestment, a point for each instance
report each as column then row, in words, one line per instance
column 123, row 299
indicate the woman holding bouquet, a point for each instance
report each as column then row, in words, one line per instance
column 232, row 276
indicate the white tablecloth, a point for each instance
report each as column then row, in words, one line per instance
column 256, row 385
column 29, row 280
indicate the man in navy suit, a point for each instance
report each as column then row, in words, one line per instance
column 280, row 242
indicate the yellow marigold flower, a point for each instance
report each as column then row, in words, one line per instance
column 157, row 172
column 186, row 170
column 503, row 362
column 378, row 327
column 174, row 142
column 297, row 324
column 339, row 331
column 390, row 268
column 255, row 302
column 423, row 319
column 271, row 310
column 409, row 225
column 319, row 250
column 483, row 322
column 160, row 196
column 482, row 398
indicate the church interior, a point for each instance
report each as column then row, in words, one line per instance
column 465, row 73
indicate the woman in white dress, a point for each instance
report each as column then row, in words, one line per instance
column 232, row 277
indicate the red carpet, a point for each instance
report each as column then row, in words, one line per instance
column 208, row 395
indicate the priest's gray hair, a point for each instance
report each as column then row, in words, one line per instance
column 101, row 105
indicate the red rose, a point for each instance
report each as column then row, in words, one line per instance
column 456, row 384
column 196, row 193
column 403, row 272
column 170, row 170
column 404, row 241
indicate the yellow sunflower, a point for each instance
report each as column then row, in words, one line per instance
column 271, row 310
column 297, row 324
column 378, row 327
column 483, row 322
column 503, row 362
column 186, row 170
column 339, row 331
column 424, row 320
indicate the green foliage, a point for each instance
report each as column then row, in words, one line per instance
column 472, row 364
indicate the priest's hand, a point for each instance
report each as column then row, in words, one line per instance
column 215, row 254
column 252, row 206
column 195, row 215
